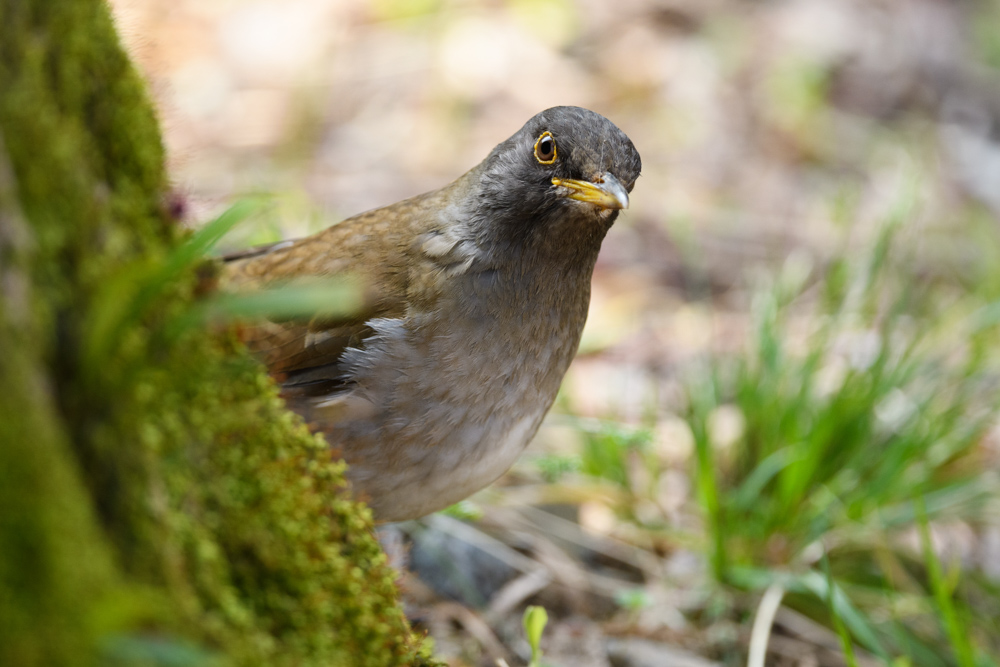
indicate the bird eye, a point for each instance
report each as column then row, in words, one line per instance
column 545, row 149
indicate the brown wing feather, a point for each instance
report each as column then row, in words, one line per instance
column 374, row 247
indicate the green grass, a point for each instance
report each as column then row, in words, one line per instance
column 863, row 387
column 860, row 401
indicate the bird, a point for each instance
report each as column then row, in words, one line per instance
column 474, row 297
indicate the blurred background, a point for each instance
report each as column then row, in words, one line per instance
column 783, row 409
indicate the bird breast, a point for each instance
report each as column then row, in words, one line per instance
column 440, row 409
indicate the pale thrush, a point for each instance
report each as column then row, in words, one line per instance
column 475, row 298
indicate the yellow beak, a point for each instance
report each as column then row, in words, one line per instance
column 605, row 192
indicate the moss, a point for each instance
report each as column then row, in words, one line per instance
column 53, row 562
column 155, row 495
column 281, row 562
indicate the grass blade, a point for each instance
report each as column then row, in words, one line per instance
column 846, row 645
column 942, row 591
column 768, row 607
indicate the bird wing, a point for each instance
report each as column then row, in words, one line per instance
column 373, row 249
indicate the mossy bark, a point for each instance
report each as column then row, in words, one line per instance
column 158, row 505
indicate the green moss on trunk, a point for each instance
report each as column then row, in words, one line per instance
column 157, row 502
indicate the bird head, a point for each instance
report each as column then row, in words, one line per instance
column 566, row 165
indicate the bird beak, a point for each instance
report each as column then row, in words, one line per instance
column 606, row 191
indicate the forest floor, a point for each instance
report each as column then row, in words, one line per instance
column 782, row 411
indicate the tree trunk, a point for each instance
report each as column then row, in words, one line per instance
column 158, row 505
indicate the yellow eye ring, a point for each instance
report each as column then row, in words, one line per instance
column 545, row 148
